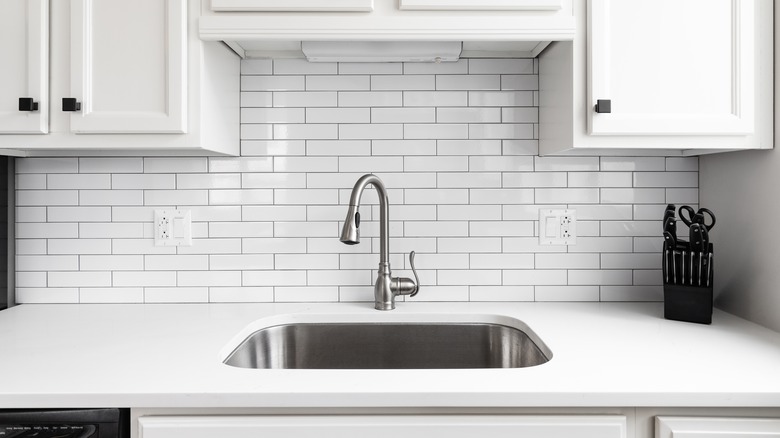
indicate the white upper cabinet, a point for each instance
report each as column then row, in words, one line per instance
column 129, row 66
column 292, row 5
column 660, row 77
column 24, row 78
column 715, row 427
column 672, row 67
column 484, row 5
column 115, row 76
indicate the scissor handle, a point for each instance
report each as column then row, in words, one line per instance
column 700, row 218
column 691, row 214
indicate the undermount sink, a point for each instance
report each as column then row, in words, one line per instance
column 390, row 345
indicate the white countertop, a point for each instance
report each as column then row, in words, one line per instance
column 604, row 355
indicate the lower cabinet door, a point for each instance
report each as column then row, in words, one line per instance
column 389, row 426
column 716, row 427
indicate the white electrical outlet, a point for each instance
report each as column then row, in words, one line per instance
column 172, row 228
column 557, row 227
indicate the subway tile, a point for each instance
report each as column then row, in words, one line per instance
column 403, row 147
column 49, row 295
column 632, row 196
column 273, row 83
column 567, row 293
column 649, row 211
column 440, row 261
column 36, row 214
column 469, row 212
column 447, row 131
column 305, row 99
column 435, row 98
column 631, row 228
column 501, row 261
column 501, row 293
column 111, row 165
column 47, row 165
column 458, row 67
column 501, row 98
column 648, row 244
column 78, row 181
column 208, row 181
column 79, row 246
column 360, row 261
column 682, row 196
column 241, row 294
column 306, row 261
column 468, row 82
column 273, row 213
column 240, row 197
column 111, row 262
column 648, row 277
column 339, row 115
column 280, row 180
column 172, row 197
column 338, row 83
column 265, row 149
column 533, row 277
column 110, row 231
column 632, row 293
column 306, row 294
column 176, row 262
column 331, row 245
column 256, row 99
column 501, row 228
column 209, row 278
column 500, row 66
column 602, row 244
column 304, row 164
column 47, row 230
column 340, row 277
column 370, row 131
column 567, row 164
column 275, row 245
column 602, row 211
column 273, row 115
column 519, row 82
column 501, row 131
column 79, row 279
column 338, row 148
column 303, row 67
column 567, row 196
column 47, row 263
column 176, row 165
column 30, row 246
column 436, row 229
column 138, row 181
column 112, row 295
column 468, row 180
column 435, row 164
column 47, row 197
column 468, row 147
column 369, row 99
column 535, row 179
column 529, row 245
column 370, row 164
column 468, row 115
column 176, row 295
column 600, row 179
column 666, row 179
column 273, row 278
column 567, row 261
column 436, row 196
column 305, row 229
column 469, row 244
column 240, row 229
column 256, row 131
column 597, row 277
column 680, row 164
column 370, row 68
column 519, row 147
column 520, row 115
column 442, row 293
column 32, row 181
column 139, row 246
column 476, row 277
column 500, row 164
column 639, row 164
column 405, row 82
column 78, row 214
column 305, row 132
column 235, row 262
column 403, row 115
column 257, row 67
column 214, row 213
column 212, row 246
column 631, row 261
column 111, row 197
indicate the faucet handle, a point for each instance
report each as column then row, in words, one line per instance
column 414, row 271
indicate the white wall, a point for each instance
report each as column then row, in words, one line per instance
column 456, row 146
column 742, row 188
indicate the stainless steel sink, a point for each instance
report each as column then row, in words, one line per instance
column 389, row 345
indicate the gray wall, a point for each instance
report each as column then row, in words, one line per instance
column 742, row 189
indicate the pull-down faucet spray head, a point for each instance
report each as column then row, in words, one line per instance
column 350, row 233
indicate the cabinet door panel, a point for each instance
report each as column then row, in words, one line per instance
column 482, row 5
column 128, row 66
column 671, row 67
column 293, row 5
column 553, row 426
column 712, row 427
column 24, row 49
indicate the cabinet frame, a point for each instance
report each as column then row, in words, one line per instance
column 716, row 427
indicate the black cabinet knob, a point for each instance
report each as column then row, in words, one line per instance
column 603, row 106
column 70, row 104
column 27, row 104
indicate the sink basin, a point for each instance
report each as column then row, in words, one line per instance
column 390, row 345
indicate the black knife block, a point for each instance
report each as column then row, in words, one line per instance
column 688, row 303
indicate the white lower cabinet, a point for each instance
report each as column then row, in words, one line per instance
column 716, row 427
column 385, row 426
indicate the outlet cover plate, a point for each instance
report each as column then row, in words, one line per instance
column 557, row 227
column 172, row 228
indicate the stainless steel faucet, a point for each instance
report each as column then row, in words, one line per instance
column 386, row 286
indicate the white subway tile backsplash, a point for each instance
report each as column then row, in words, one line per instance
column 456, row 145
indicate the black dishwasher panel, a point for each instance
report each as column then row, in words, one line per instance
column 64, row 423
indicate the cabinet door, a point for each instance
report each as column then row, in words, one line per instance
column 293, row 5
column 482, row 5
column 128, row 66
column 712, row 427
column 424, row 426
column 24, row 49
column 671, row 67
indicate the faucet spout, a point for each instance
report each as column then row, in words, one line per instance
column 386, row 287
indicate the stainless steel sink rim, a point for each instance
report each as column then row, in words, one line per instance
column 390, row 345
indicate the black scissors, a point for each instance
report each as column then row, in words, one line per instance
column 697, row 217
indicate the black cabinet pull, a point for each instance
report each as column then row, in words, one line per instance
column 27, row 104
column 70, row 104
column 603, row 106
